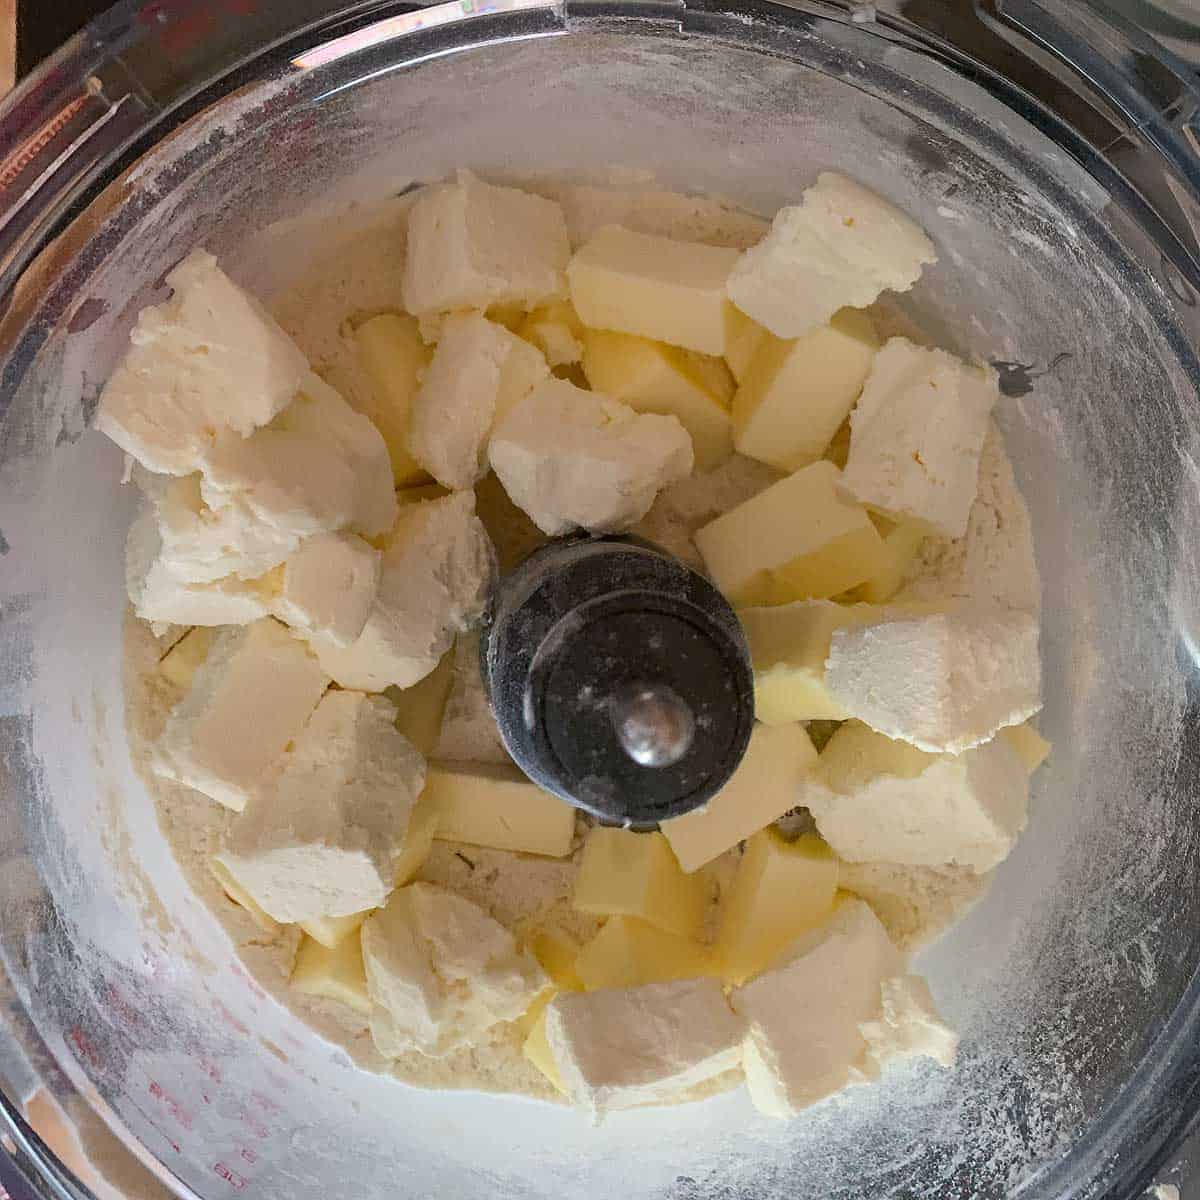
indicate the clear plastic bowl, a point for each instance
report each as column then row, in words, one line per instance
column 1066, row 229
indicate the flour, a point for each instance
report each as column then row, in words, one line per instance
column 994, row 561
column 353, row 271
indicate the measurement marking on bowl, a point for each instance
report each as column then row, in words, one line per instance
column 171, row 1104
column 235, row 1181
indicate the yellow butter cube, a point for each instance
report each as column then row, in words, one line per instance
column 418, row 840
column 629, row 952
column 902, row 543
column 557, row 955
column 499, row 807
column 656, row 287
column 760, row 791
column 513, row 534
column 795, row 394
column 242, row 898
column 394, row 356
column 653, row 377
column 556, row 330
column 331, row 932
column 743, row 338
column 781, row 889
column 537, row 1050
column 636, row 875
column 336, row 974
column 419, row 708
column 789, row 644
column 799, row 539
column 1032, row 749
column 183, row 659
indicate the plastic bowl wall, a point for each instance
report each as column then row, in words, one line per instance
column 1070, row 982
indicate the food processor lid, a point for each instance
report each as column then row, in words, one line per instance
column 620, row 679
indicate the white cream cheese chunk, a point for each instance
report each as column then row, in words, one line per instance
column 317, row 840
column 319, row 467
column 804, row 1011
column 878, row 800
column 209, row 359
column 839, row 248
column 328, row 587
column 945, row 681
column 479, row 371
column 916, row 436
column 574, row 459
column 441, row 972
column 472, row 244
column 908, row 1025
column 258, row 679
column 437, row 571
column 200, row 544
column 158, row 595
column 622, row 1047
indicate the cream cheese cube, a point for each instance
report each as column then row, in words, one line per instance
column 804, row 1042
column 319, row 467
column 794, row 395
column 441, row 972
column 436, row 575
column 654, row 287
column 499, row 807
column 624, row 1047
column 479, row 371
column 943, row 681
column 917, row 434
column 395, row 356
column 317, row 839
column 469, row 732
column 909, row 1025
column 839, row 248
column 200, row 544
column 878, row 800
column 328, row 587
column 333, row 973
column 761, row 790
column 258, row 677
column 472, row 244
column 158, row 595
column 781, row 890
column 622, row 873
column 573, row 459
column 760, row 553
column 208, row 360
column 653, row 377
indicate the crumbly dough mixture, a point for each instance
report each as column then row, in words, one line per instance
column 360, row 277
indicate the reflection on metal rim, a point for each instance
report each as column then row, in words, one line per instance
column 396, row 27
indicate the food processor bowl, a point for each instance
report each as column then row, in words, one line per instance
column 1067, row 241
